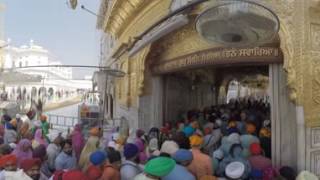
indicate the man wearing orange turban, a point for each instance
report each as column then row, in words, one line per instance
column 196, row 141
column 251, row 128
column 201, row 164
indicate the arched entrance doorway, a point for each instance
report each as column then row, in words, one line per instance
column 188, row 73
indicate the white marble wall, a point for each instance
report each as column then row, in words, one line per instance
column 284, row 123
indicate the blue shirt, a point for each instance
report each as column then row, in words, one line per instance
column 179, row 172
column 129, row 170
column 65, row 161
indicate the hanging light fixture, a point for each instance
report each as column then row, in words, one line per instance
column 72, row 3
column 238, row 23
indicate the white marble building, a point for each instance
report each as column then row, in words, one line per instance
column 48, row 84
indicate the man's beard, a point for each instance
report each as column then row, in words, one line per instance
column 35, row 177
column 69, row 153
column 137, row 160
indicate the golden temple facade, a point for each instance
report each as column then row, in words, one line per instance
column 296, row 50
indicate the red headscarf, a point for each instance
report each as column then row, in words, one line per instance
column 255, row 149
column 74, row 175
column 27, row 164
column 93, row 172
column 10, row 158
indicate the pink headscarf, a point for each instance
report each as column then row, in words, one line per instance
column 38, row 137
column 20, row 154
column 142, row 155
column 77, row 140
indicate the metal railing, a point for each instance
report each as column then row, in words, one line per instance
column 67, row 123
column 62, row 123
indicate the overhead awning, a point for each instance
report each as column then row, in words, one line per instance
column 17, row 77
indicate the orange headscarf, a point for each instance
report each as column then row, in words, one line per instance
column 196, row 140
column 251, row 128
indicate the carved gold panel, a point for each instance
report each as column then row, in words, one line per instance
column 315, row 34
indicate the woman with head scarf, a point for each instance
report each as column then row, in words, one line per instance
column 39, row 139
column 142, row 153
column 90, row 147
column 78, row 140
column 24, row 129
column 23, row 150
column 154, row 133
column 153, row 148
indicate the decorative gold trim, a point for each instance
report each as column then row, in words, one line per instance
column 122, row 13
column 219, row 56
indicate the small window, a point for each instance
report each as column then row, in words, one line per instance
column 20, row 64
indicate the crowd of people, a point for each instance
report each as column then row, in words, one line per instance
column 231, row 141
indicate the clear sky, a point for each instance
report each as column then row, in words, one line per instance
column 68, row 34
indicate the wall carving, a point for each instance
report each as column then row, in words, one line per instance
column 316, row 85
column 315, row 138
column 315, row 162
column 315, row 34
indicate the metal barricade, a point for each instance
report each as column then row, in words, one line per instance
column 67, row 123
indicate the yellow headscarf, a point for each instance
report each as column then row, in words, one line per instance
column 232, row 124
column 264, row 132
column 90, row 147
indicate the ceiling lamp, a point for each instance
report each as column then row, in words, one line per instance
column 238, row 23
column 72, row 4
